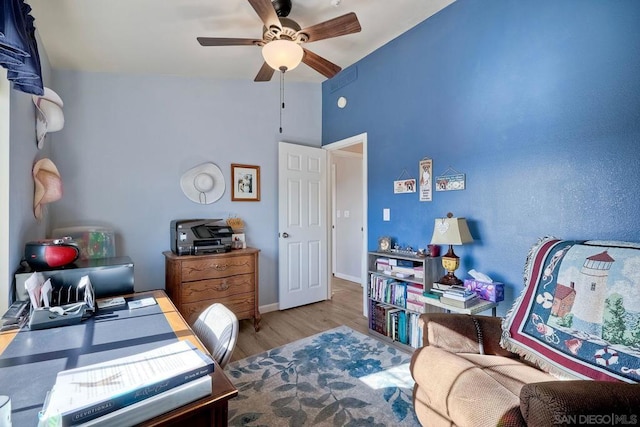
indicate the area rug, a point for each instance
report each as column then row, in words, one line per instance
column 336, row 378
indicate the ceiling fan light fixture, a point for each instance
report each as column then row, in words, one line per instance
column 282, row 54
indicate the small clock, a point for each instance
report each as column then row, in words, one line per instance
column 384, row 244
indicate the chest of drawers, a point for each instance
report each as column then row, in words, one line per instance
column 193, row 282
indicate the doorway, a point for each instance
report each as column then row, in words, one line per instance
column 348, row 201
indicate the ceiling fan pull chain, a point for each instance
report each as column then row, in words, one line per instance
column 281, row 97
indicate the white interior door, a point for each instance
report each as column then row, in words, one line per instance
column 303, row 227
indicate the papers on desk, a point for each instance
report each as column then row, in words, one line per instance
column 79, row 302
column 111, row 302
column 139, row 303
column 84, row 394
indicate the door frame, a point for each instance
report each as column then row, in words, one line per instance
column 338, row 145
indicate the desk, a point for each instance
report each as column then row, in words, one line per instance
column 31, row 359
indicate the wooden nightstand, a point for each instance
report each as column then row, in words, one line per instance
column 193, row 282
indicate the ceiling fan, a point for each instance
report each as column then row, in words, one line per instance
column 282, row 38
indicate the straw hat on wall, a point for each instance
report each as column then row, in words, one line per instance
column 203, row 184
column 48, row 185
column 49, row 117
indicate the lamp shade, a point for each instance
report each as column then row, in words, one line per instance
column 281, row 54
column 451, row 231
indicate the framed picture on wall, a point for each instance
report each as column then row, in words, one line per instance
column 245, row 183
column 404, row 186
column 425, row 169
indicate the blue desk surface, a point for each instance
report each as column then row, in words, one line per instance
column 30, row 363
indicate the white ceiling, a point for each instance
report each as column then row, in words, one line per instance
column 159, row 36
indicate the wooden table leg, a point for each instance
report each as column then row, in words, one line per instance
column 220, row 415
column 256, row 322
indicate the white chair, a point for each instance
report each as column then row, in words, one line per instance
column 217, row 328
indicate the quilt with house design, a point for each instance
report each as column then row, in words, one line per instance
column 579, row 313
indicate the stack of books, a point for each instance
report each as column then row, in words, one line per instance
column 129, row 390
column 396, row 267
column 402, row 271
column 458, row 296
column 414, row 292
column 382, row 264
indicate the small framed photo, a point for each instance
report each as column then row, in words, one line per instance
column 238, row 241
column 245, row 183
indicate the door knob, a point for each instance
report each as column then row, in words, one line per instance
column 285, row 235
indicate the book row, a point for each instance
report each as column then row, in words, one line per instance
column 391, row 291
column 399, row 325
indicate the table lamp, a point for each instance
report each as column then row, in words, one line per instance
column 450, row 231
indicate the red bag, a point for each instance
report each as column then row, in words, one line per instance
column 50, row 253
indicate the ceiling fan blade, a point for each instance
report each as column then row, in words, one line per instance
column 340, row 26
column 217, row 41
column 266, row 12
column 265, row 73
column 321, row 65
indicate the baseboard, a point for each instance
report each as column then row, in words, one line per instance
column 269, row 307
column 348, row 277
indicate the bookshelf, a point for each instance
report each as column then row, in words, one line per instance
column 394, row 295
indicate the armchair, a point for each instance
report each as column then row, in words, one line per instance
column 464, row 377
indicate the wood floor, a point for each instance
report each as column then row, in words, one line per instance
column 278, row 328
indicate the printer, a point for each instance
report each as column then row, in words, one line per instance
column 200, row 236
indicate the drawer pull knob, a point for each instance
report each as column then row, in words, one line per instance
column 223, row 267
column 222, row 287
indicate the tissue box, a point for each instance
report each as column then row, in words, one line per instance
column 490, row 291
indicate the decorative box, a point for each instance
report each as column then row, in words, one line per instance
column 490, row 291
column 93, row 242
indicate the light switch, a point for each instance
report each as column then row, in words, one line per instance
column 386, row 214
column 337, row 214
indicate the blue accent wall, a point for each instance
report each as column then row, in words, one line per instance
column 537, row 102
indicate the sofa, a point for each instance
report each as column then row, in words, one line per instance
column 551, row 360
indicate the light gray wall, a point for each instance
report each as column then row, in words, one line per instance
column 128, row 138
column 23, row 153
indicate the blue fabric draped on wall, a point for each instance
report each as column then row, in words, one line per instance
column 18, row 47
